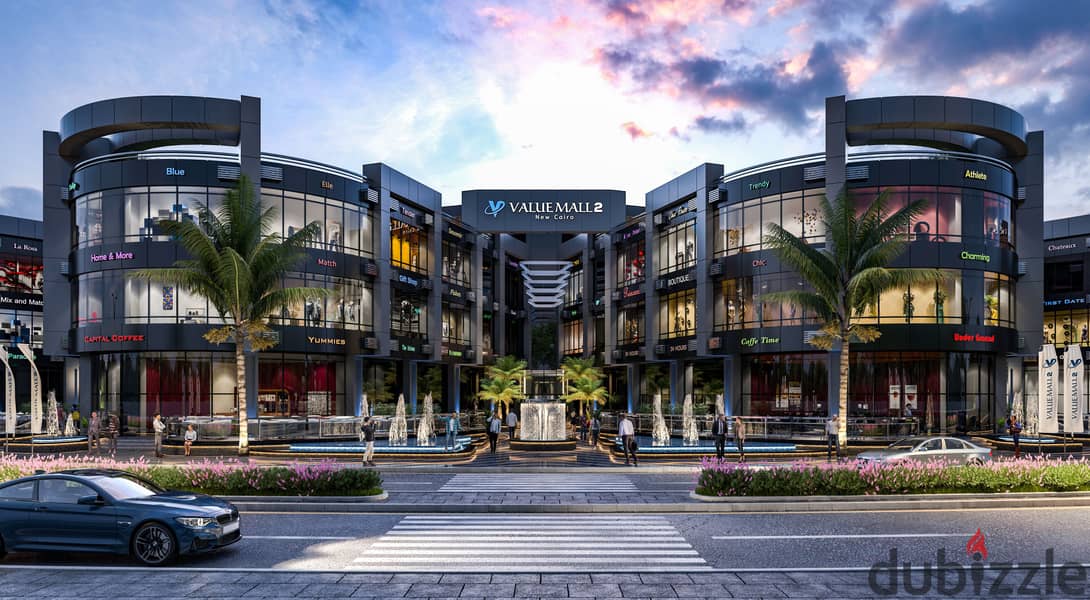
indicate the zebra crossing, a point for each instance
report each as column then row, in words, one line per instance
column 535, row 483
column 525, row 543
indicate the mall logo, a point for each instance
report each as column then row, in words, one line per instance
column 494, row 207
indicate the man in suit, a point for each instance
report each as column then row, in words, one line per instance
column 719, row 432
column 628, row 439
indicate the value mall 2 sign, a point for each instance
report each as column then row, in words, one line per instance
column 530, row 211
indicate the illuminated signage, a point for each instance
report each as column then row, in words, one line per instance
column 455, row 353
column 25, row 247
column 632, row 232
column 977, row 175
column 544, row 211
column 6, row 300
column 1065, row 302
column 327, row 185
column 635, row 353
column 760, row 262
column 750, row 342
column 110, row 256
column 683, row 347
column 760, row 185
column 454, row 233
column 971, row 337
column 408, row 212
column 677, row 212
column 976, row 257
column 632, row 291
column 106, row 339
column 172, row 172
column 323, row 340
column 408, row 348
column 326, row 262
column 680, row 279
column 1058, row 247
column 408, row 280
column 455, row 293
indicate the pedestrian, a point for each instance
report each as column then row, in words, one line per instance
column 190, row 437
column 451, row 432
column 113, row 431
column 719, row 432
column 159, row 428
column 628, row 439
column 1014, row 428
column 584, row 427
column 595, row 429
column 74, row 413
column 512, row 422
column 92, row 433
column 494, row 426
column 367, row 436
column 832, row 433
column 740, row 438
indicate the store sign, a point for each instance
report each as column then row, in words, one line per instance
column 677, row 212
column 20, row 301
column 976, row 257
column 1063, row 246
column 632, row 291
column 327, row 185
column 760, row 185
column 675, row 348
column 676, row 280
column 408, row 212
column 1048, row 399
column 632, row 232
column 555, row 211
column 111, row 256
column 454, row 233
column 1066, row 302
column 455, row 293
column 760, row 262
column 326, row 262
column 974, row 337
column 977, row 175
column 19, row 246
column 407, row 347
column 634, row 353
column 752, row 341
column 110, row 339
column 408, row 280
column 455, row 353
column 324, row 340
column 172, row 172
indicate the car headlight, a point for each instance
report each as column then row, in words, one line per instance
column 195, row 522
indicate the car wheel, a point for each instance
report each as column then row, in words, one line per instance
column 975, row 462
column 153, row 544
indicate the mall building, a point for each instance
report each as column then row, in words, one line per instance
column 667, row 295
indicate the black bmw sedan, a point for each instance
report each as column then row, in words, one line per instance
column 111, row 511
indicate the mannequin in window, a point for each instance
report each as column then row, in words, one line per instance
column 1083, row 337
column 677, row 320
column 690, row 251
column 340, row 309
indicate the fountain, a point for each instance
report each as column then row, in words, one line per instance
column 689, row 433
column 52, row 426
column 660, row 435
column 719, row 405
column 424, row 434
column 543, row 421
column 365, row 409
column 399, row 429
column 69, row 426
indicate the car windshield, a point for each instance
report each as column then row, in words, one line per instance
column 905, row 444
column 123, row 488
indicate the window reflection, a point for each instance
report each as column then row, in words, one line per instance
column 630, row 324
column 408, row 247
column 677, row 314
column 677, row 247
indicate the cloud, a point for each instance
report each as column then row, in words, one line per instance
column 715, row 125
column 634, row 131
column 19, row 201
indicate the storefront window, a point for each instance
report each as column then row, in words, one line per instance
column 908, row 385
column 300, row 385
column 931, row 303
column 677, row 247
column 571, row 337
column 997, row 219
column 408, row 315
column 677, row 314
column 630, row 324
column 785, row 385
column 89, row 218
column 998, row 300
column 630, row 264
column 408, row 247
column 1062, row 327
column 573, row 293
column 455, row 325
column 455, row 264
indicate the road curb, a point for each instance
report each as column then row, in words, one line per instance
column 384, row 496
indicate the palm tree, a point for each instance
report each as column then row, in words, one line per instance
column 238, row 261
column 500, row 391
column 575, row 368
column 849, row 273
column 656, row 379
column 509, row 369
column 585, row 390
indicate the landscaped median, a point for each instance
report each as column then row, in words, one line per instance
column 221, row 478
column 724, row 480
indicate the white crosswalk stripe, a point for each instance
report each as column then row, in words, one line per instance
column 521, row 543
column 527, row 483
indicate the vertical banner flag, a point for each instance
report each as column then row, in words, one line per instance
column 10, row 416
column 1075, row 389
column 1047, row 391
column 35, row 389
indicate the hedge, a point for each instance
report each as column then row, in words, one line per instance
column 229, row 478
column 718, row 478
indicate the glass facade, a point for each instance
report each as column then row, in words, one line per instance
column 630, row 324
column 571, row 337
column 455, row 325
column 573, row 293
column 408, row 247
column 630, row 264
column 677, row 314
column 409, row 314
column 456, row 264
column 676, row 247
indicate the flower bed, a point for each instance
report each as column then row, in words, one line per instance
column 326, row 478
column 850, row 479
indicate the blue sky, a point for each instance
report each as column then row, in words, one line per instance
column 566, row 94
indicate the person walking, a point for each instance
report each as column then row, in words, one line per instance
column 512, row 422
column 628, row 439
column 494, row 426
column 159, row 426
column 584, row 427
column 74, row 413
column 740, row 438
column 719, row 432
column 92, row 433
column 190, row 437
column 832, row 433
column 1014, row 428
column 595, row 429
column 452, row 430
column 367, row 436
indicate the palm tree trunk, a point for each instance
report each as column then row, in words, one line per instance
column 240, row 385
column 842, row 388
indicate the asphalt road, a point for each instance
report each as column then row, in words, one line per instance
column 626, row 542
